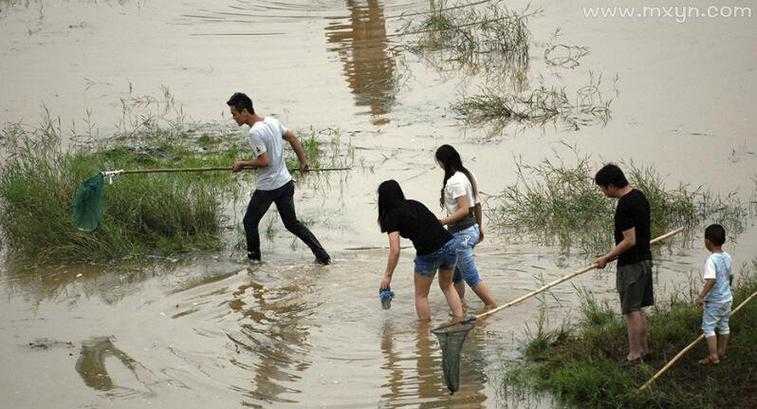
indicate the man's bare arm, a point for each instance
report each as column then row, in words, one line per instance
column 290, row 137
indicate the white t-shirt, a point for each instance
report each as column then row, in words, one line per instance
column 457, row 185
column 267, row 136
column 718, row 268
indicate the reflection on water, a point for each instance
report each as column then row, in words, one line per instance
column 91, row 367
column 362, row 46
column 71, row 282
column 415, row 378
column 274, row 334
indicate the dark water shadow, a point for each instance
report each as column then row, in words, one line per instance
column 92, row 369
column 272, row 340
column 40, row 283
column 368, row 64
column 414, row 378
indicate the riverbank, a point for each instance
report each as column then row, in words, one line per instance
column 583, row 365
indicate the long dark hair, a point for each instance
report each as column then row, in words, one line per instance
column 450, row 160
column 390, row 197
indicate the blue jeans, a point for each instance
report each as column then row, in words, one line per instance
column 716, row 315
column 466, row 265
column 445, row 258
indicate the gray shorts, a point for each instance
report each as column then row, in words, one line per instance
column 634, row 284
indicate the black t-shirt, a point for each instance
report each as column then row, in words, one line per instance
column 415, row 222
column 633, row 211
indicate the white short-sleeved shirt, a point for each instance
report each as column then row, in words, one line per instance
column 457, row 185
column 718, row 268
column 267, row 136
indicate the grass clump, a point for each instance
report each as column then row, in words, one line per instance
column 477, row 38
column 539, row 106
column 148, row 214
column 144, row 213
column 558, row 203
column 564, row 56
column 582, row 366
column 557, row 54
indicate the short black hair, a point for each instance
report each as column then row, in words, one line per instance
column 240, row 101
column 610, row 174
column 715, row 233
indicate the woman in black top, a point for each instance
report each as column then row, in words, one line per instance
column 435, row 247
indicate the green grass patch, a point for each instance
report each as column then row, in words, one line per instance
column 150, row 214
column 557, row 203
column 583, row 367
column 144, row 214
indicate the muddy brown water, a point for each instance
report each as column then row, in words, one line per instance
column 209, row 331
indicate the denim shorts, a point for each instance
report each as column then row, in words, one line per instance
column 716, row 316
column 466, row 264
column 446, row 258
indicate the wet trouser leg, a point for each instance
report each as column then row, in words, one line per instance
column 259, row 203
column 285, row 205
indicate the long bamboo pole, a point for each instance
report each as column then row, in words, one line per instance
column 172, row 170
column 550, row 285
column 688, row 348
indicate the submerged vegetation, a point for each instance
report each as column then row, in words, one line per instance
column 472, row 34
column 491, row 39
column 583, row 366
column 557, row 54
column 558, row 203
column 539, row 106
column 144, row 214
column 475, row 38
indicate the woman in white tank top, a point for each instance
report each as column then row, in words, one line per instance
column 459, row 196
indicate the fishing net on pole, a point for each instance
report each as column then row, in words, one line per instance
column 87, row 206
column 451, row 339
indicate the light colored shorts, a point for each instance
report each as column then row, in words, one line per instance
column 466, row 264
column 716, row 316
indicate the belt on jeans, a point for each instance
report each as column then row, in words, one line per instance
column 469, row 221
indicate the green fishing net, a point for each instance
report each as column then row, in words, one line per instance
column 451, row 341
column 87, row 206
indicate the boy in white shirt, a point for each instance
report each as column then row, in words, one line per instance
column 716, row 295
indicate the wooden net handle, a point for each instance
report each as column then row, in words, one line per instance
column 685, row 350
column 550, row 285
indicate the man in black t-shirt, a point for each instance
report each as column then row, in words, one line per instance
column 632, row 236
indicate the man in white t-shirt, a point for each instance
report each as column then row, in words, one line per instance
column 274, row 183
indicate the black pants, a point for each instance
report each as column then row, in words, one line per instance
column 284, row 198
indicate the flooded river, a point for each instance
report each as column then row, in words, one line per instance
column 209, row 331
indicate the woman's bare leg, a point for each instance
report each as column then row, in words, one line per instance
column 422, row 286
column 482, row 291
column 453, row 299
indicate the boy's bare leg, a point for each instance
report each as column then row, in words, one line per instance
column 722, row 344
column 712, row 348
